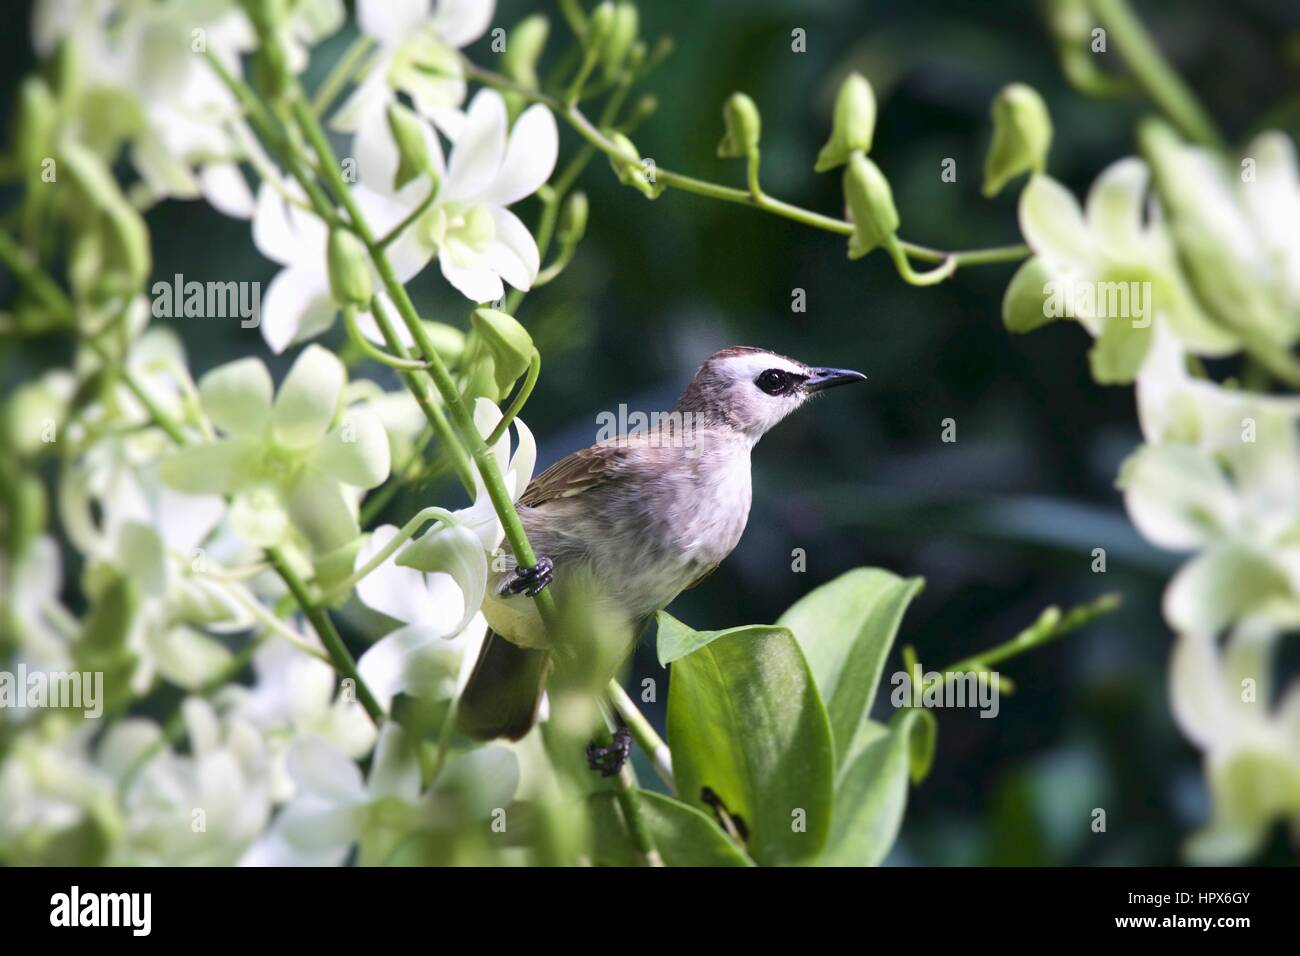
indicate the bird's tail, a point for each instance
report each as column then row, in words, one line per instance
column 504, row 691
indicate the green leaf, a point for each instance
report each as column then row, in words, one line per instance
column 674, row 640
column 871, row 792
column 745, row 721
column 846, row 628
column 683, row 835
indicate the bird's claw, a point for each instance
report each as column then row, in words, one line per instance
column 532, row 581
column 610, row 760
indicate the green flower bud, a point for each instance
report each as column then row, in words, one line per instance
column 34, row 124
column 66, row 70
column 349, row 269
column 600, row 25
column 854, row 123
column 412, row 148
column 743, row 125
column 622, row 33
column 508, row 342
column 1022, row 133
column 573, row 219
column 630, row 169
column 524, row 48
column 871, row 204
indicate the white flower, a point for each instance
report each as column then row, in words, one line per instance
column 335, row 809
column 1080, row 256
column 150, row 57
column 478, row 241
column 294, row 696
column 418, row 56
column 203, row 808
column 1222, row 699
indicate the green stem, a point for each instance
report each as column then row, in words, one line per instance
column 372, row 351
column 334, row 646
column 411, row 217
column 628, row 794
column 643, row 733
column 28, row 272
column 432, row 410
column 407, row 532
column 521, row 396
column 462, row 418
column 742, row 197
column 1153, row 71
column 341, row 73
column 933, row 277
column 1050, row 625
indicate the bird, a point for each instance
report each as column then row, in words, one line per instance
column 629, row 523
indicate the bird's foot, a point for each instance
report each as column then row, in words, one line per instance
column 532, row 581
column 610, row 760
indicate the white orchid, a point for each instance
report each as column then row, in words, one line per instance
column 479, row 243
column 335, row 809
column 1223, row 701
column 205, row 807
column 1083, row 260
column 294, row 696
column 1220, row 475
column 418, row 55
column 287, row 464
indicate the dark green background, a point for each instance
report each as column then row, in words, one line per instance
column 999, row 524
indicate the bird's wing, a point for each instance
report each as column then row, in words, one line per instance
column 575, row 474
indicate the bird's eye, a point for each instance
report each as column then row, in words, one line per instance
column 774, row 381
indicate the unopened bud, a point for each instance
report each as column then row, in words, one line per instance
column 622, row 34
column 871, row 205
column 854, row 123
column 1022, row 133
column 508, row 342
column 573, row 219
column 412, row 147
column 126, row 243
column 743, row 126
column 34, row 124
column 524, row 48
column 349, row 269
column 630, row 169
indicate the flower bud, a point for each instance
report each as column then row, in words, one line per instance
column 1022, row 133
column 412, row 147
column 34, row 124
column 854, row 123
column 524, row 48
column 630, row 169
column 743, row 125
column 508, row 342
column 599, row 25
column 622, row 34
column 349, row 269
column 573, row 219
column 871, row 205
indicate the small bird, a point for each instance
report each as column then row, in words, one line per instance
column 631, row 522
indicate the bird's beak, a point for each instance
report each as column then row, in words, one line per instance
column 824, row 378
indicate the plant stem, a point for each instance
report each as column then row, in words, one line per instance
column 407, row 532
column 461, row 417
column 753, row 198
column 1155, row 74
column 627, row 792
column 334, row 646
column 521, row 396
column 1050, row 625
column 644, row 734
column 341, row 73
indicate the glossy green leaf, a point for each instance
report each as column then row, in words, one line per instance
column 674, row 640
column 745, row 721
column 683, row 835
column 871, row 792
column 846, row 628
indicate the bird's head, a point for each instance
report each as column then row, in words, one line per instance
column 751, row 390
